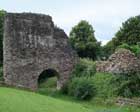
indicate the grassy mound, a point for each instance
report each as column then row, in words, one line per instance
column 12, row 100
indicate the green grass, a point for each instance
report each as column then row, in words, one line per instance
column 13, row 100
column 48, row 87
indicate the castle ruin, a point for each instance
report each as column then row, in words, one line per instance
column 32, row 44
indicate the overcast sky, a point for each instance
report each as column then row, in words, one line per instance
column 106, row 16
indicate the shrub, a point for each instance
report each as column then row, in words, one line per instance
column 128, row 85
column 136, row 50
column 125, row 46
column 109, row 85
column 81, row 88
column 85, row 67
column 48, row 87
column 64, row 89
column 104, row 84
column 49, row 83
column 80, row 84
column 133, row 48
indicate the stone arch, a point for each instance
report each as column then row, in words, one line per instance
column 62, row 71
column 46, row 74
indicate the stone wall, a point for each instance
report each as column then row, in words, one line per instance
column 121, row 62
column 127, row 101
column 31, row 45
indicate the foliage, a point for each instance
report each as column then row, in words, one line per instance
column 104, row 84
column 129, row 34
column 83, row 40
column 125, row 46
column 136, row 50
column 128, row 85
column 49, row 83
column 133, row 48
column 110, row 47
column 81, row 88
column 48, row 87
column 130, row 31
column 85, row 67
column 110, row 85
column 107, row 85
column 2, row 13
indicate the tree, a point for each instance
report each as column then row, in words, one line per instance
column 110, row 47
column 129, row 34
column 2, row 13
column 130, row 31
column 83, row 40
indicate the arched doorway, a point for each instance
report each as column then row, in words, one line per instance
column 48, row 79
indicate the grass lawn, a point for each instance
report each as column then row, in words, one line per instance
column 13, row 100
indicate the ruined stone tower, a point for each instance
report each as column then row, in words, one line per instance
column 33, row 44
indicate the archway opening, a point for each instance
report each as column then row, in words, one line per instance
column 48, row 79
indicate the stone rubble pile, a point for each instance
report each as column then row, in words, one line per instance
column 122, row 61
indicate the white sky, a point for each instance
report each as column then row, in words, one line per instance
column 106, row 16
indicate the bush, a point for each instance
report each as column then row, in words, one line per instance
column 81, row 88
column 48, row 87
column 104, row 84
column 49, row 83
column 133, row 48
column 109, row 85
column 85, row 67
column 125, row 46
column 128, row 85
column 136, row 50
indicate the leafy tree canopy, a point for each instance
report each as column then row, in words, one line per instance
column 130, row 31
column 129, row 34
column 83, row 40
